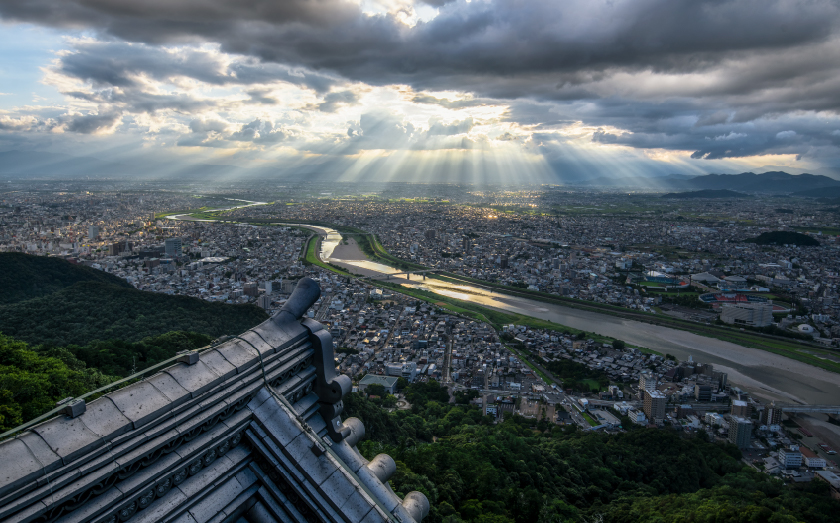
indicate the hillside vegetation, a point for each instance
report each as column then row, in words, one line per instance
column 89, row 311
column 525, row 471
column 23, row 276
column 31, row 383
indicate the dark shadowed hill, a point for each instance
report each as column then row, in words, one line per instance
column 23, row 276
column 784, row 237
column 708, row 193
column 769, row 182
column 824, row 192
column 88, row 311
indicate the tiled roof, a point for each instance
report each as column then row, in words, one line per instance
column 250, row 429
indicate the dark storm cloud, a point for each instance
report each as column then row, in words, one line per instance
column 450, row 104
column 800, row 135
column 91, row 123
column 466, row 41
column 121, row 64
column 721, row 78
column 333, row 101
column 140, row 101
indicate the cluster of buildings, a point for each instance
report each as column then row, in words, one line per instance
column 589, row 252
column 635, row 260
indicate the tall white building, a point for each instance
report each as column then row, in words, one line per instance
column 790, row 457
column 647, row 382
column 637, row 416
column 93, row 232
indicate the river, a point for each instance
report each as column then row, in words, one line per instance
column 763, row 373
column 188, row 218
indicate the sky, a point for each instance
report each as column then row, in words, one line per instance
column 495, row 91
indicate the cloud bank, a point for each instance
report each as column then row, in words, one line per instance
column 693, row 85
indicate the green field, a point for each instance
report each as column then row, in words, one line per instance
column 593, row 384
column 589, row 419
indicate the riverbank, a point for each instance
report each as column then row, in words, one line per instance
column 764, row 373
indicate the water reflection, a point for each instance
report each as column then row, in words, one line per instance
column 758, row 369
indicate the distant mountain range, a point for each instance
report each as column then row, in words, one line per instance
column 38, row 164
column 773, row 182
column 706, row 193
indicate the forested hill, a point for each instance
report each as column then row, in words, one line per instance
column 784, row 237
column 523, row 471
column 89, row 311
column 23, row 276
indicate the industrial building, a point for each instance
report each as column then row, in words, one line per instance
column 790, row 457
column 749, row 314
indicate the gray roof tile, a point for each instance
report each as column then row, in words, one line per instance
column 261, row 340
column 195, row 484
column 218, row 363
column 103, row 418
column 211, row 505
column 69, row 438
column 141, row 403
column 275, row 420
column 197, row 379
column 19, row 464
column 161, row 507
column 317, row 469
column 337, row 488
column 170, row 388
column 239, row 354
column 96, row 506
column 356, row 507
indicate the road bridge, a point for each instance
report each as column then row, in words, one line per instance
column 407, row 274
column 819, row 409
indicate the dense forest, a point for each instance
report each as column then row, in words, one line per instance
column 53, row 302
column 23, row 276
column 476, row 471
column 32, row 382
column 67, row 329
column 88, row 311
column 33, row 379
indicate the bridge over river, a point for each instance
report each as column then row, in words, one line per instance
column 765, row 374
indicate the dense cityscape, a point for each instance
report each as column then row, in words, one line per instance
column 642, row 252
column 419, row 261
